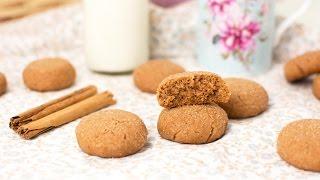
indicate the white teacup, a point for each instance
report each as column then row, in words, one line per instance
column 236, row 37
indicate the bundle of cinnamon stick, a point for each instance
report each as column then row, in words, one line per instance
column 60, row 111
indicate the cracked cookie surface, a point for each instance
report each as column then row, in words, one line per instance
column 111, row 134
column 247, row 99
column 197, row 124
column 192, row 88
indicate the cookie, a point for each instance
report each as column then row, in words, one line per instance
column 192, row 88
column 111, row 134
column 198, row 124
column 247, row 99
column 49, row 74
column 303, row 66
column 299, row 144
column 316, row 87
column 3, row 84
column 148, row 76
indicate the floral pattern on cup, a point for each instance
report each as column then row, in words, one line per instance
column 219, row 6
column 236, row 29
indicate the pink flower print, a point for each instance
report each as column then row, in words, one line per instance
column 219, row 6
column 264, row 9
column 239, row 36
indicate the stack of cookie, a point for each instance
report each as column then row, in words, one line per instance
column 198, row 105
column 191, row 115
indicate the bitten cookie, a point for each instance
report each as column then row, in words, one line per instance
column 49, row 74
column 148, row 76
column 299, row 144
column 111, row 134
column 316, row 87
column 247, row 99
column 198, row 124
column 192, row 88
column 302, row 66
column 3, row 84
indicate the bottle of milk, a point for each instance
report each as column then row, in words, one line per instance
column 116, row 34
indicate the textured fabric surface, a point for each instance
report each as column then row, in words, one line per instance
column 247, row 150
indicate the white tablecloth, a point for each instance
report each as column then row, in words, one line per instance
column 247, row 150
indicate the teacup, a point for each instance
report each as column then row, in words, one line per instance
column 236, row 37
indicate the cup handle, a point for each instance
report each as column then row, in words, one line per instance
column 290, row 20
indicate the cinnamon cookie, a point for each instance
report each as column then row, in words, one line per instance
column 49, row 74
column 303, row 66
column 316, row 87
column 192, row 88
column 148, row 76
column 247, row 99
column 111, row 134
column 299, row 144
column 3, row 84
column 198, row 124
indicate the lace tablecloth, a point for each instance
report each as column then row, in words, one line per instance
column 247, row 150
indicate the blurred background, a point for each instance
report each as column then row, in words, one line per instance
column 13, row 9
column 167, row 31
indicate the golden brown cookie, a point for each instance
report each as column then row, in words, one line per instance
column 247, row 99
column 198, row 124
column 316, row 87
column 3, row 84
column 148, row 76
column 302, row 66
column 49, row 74
column 111, row 134
column 299, row 144
column 192, row 88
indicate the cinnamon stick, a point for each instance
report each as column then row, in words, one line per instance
column 66, row 115
column 51, row 107
column 71, row 113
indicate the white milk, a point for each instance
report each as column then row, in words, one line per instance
column 117, row 34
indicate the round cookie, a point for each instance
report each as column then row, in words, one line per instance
column 192, row 88
column 49, row 74
column 247, row 99
column 3, row 84
column 149, row 75
column 111, row 134
column 316, row 87
column 299, row 144
column 302, row 66
column 198, row 124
